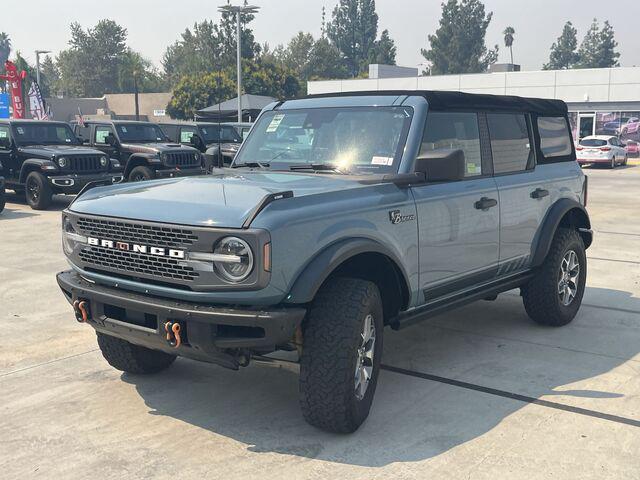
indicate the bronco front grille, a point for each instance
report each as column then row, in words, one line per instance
column 137, row 263
column 86, row 163
column 182, row 159
column 132, row 232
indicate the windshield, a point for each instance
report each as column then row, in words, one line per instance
column 593, row 142
column 364, row 139
column 215, row 133
column 140, row 132
column 45, row 133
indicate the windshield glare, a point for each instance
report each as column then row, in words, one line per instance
column 44, row 134
column 215, row 133
column 366, row 139
column 140, row 132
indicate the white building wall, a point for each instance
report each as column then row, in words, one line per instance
column 573, row 86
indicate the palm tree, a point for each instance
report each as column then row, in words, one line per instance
column 5, row 47
column 508, row 33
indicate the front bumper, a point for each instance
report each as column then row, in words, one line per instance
column 212, row 333
column 73, row 183
column 179, row 172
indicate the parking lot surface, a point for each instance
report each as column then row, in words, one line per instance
column 481, row 392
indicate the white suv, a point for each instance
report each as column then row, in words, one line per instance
column 605, row 149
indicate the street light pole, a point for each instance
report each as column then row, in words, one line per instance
column 238, row 10
column 38, row 53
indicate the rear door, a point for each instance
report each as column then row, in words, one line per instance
column 458, row 221
column 523, row 192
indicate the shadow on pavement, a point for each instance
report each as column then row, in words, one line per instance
column 493, row 344
column 60, row 202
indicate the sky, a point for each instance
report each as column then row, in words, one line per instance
column 154, row 24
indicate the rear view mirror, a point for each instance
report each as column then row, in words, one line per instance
column 442, row 165
column 111, row 140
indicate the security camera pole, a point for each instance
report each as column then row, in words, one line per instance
column 238, row 10
column 38, row 53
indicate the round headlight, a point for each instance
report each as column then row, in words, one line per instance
column 104, row 161
column 62, row 162
column 233, row 259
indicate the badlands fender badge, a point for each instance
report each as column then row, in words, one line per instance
column 396, row 217
column 135, row 248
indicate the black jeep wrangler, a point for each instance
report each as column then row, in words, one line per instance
column 219, row 143
column 43, row 158
column 142, row 148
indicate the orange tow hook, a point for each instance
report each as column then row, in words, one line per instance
column 81, row 311
column 173, row 333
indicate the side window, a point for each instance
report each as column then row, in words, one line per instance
column 102, row 132
column 83, row 132
column 454, row 130
column 555, row 138
column 186, row 133
column 614, row 141
column 510, row 142
column 4, row 133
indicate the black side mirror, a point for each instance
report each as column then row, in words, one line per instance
column 5, row 143
column 111, row 140
column 442, row 165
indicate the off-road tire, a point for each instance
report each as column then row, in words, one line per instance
column 131, row 358
column 42, row 197
column 141, row 173
column 540, row 295
column 331, row 337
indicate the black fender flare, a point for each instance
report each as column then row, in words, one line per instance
column 309, row 281
column 32, row 164
column 576, row 216
column 138, row 159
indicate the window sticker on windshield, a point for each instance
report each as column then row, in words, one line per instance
column 101, row 135
column 4, row 134
column 123, row 129
column 20, row 130
column 275, row 123
column 473, row 169
column 382, row 161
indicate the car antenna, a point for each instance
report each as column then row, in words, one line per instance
column 220, row 157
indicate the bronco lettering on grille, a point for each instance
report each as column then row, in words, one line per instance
column 134, row 247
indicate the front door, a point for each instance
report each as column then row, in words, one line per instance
column 458, row 222
column 100, row 134
column 11, row 169
column 586, row 125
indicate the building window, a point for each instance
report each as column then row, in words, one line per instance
column 510, row 142
column 555, row 140
column 457, row 131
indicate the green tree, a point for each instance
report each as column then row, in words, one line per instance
column 297, row 54
column 325, row 62
column 590, row 47
column 147, row 76
column 5, row 49
column 49, row 77
column 607, row 55
column 384, row 50
column 353, row 30
column 508, row 33
column 458, row 45
column 563, row 51
column 195, row 92
column 262, row 78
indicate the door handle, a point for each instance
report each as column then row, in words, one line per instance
column 485, row 203
column 539, row 193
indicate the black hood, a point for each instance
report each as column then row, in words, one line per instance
column 49, row 151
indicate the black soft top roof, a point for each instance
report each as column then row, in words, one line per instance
column 445, row 100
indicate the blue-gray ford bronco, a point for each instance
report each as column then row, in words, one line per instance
column 340, row 215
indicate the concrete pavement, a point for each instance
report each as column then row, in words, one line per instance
column 481, row 392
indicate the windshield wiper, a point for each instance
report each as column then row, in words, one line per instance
column 319, row 167
column 251, row 165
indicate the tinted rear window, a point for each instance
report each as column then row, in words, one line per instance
column 593, row 142
column 510, row 142
column 555, row 139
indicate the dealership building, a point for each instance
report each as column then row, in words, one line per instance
column 601, row 101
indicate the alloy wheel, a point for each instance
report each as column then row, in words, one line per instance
column 364, row 360
column 568, row 276
column 33, row 190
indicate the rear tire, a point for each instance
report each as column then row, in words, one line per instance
column 338, row 357
column 545, row 296
column 130, row 358
column 38, row 192
column 613, row 163
column 141, row 174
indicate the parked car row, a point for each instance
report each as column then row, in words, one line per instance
column 41, row 158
